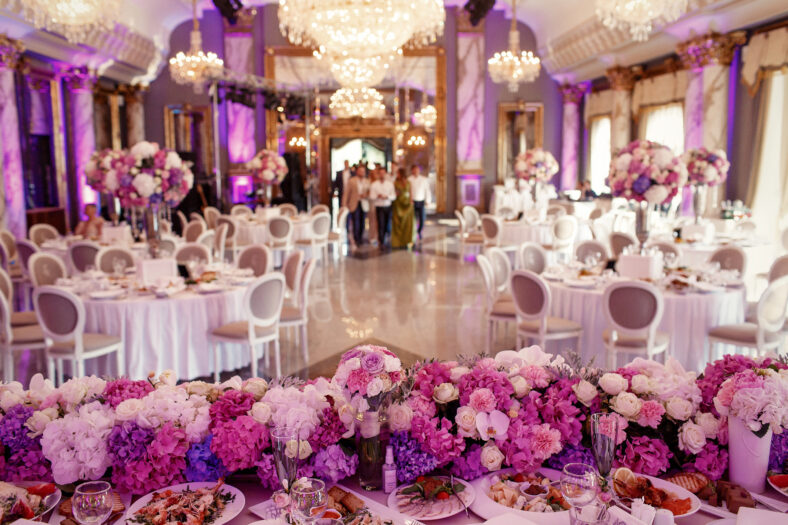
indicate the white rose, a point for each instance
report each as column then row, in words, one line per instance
column 521, row 386
column 391, row 363
column 678, row 408
column 641, row 384
column 234, row 383
column 627, row 404
column 144, row 149
column 692, row 439
column 656, row 194
column 353, row 364
column 663, row 158
column 709, row 424
column 374, row 387
column 168, row 377
column 199, row 388
column 613, row 383
column 457, row 372
column 711, row 173
column 585, row 392
column 445, row 393
column 621, row 163
column 466, row 422
column 73, row 391
column 261, row 412
column 256, row 386
column 400, row 416
column 144, row 184
column 491, row 457
column 39, row 420
column 173, row 160
column 127, row 410
column 347, row 415
column 304, row 450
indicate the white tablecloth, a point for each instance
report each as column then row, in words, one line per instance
column 515, row 233
column 257, row 232
column 161, row 334
column 687, row 319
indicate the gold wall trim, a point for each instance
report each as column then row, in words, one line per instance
column 59, row 147
column 508, row 107
column 206, row 130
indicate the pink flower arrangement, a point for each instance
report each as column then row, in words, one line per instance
column 154, row 176
column 759, row 397
column 267, row 167
column 706, row 167
column 105, row 169
column 535, row 164
column 368, row 374
column 646, row 171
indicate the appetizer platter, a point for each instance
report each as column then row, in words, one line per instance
column 659, row 493
column 432, row 497
column 508, row 491
column 26, row 500
column 189, row 504
column 347, row 506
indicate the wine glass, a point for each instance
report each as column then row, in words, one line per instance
column 579, row 483
column 308, row 499
column 285, row 461
column 92, row 502
column 604, row 433
column 670, row 259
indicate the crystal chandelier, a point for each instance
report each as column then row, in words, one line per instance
column 512, row 66
column 360, row 102
column 74, row 19
column 358, row 72
column 196, row 67
column 639, row 16
column 426, row 117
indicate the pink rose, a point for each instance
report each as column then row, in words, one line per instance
column 482, row 400
column 607, row 426
column 651, row 414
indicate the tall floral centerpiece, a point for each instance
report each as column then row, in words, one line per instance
column 369, row 375
column 649, row 174
column 104, row 171
column 706, row 169
column 268, row 168
column 537, row 166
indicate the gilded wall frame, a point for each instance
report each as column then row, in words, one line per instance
column 504, row 109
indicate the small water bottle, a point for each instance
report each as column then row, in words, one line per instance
column 389, row 472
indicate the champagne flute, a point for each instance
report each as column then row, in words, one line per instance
column 604, row 434
column 285, row 461
column 308, row 498
column 579, row 483
column 92, row 502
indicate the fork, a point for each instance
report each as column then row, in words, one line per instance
column 464, row 506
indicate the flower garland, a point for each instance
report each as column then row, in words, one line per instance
column 535, row 164
column 268, row 167
column 646, row 171
column 706, row 167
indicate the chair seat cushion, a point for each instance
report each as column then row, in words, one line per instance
column 278, row 244
column 15, row 271
column 91, row 341
column 27, row 334
column 506, row 297
column 503, row 308
column 555, row 325
column 745, row 333
column 334, row 236
column 306, row 242
column 474, row 237
column 290, row 313
column 660, row 339
column 240, row 330
column 24, row 318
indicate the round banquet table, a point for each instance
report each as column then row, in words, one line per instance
column 687, row 318
column 169, row 333
column 60, row 250
column 517, row 232
column 256, row 232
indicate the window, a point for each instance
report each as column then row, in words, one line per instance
column 599, row 153
column 664, row 124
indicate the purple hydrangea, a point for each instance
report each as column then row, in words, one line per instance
column 202, row 464
column 28, row 465
column 332, row 464
column 328, row 432
column 411, row 460
column 13, row 432
column 436, row 438
column 557, row 407
column 641, row 184
column 571, row 454
column 429, row 376
column 128, row 442
column 266, row 471
column 778, row 456
column 712, row 461
column 644, row 455
column 469, row 465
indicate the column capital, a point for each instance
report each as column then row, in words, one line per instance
column 710, row 48
column 10, row 52
column 78, row 79
column 244, row 21
column 133, row 92
column 622, row 78
column 573, row 93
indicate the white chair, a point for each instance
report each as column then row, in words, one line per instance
column 211, row 214
column 784, row 239
column 193, row 231
column 45, row 269
column 498, row 310
column 183, row 220
column 319, row 228
column 591, row 248
column 11, row 265
column 40, row 233
column 82, row 255
column 165, row 226
column 230, row 234
column 600, row 231
column 555, row 211
column 319, row 208
column 633, row 310
column 280, row 234
column 730, row 258
column 292, row 268
column 621, row 240
column 167, row 245
column 595, row 214
column 25, row 249
column 220, row 242
column 473, row 220
column 502, row 269
column 766, row 333
column 208, row 239
column 564, row 233
column 262, row 308
column 297, row 315
column 467, row 238
column 7, row 290
column 532, row 257
column 110, row 257
column 258, row 258
column 779, row 268
column 15, row 338
column 288, row 210
column 194, row 216
column 240, row 210
column 532, row 300
column 492, row 227
column 338, row 237
column 9, row 241
column 62, row 317
column 192, row 252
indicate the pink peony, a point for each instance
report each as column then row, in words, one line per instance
column 536, row 376
column 645, row 455
column 651, row 413
column 358, row 380
column 422, row 406
column 482, row 400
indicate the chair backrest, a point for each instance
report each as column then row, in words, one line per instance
column 784, row 239
column 107, row 257
column 619, row 241
column 165, row 226
column 83, row 254
column 666, row 248
column 633, row 308
column 219, row 241
column 342, row 219
column 491, row 229
column 771, row 309
column 461, row 222
column 502, row 267
column 211, row 214
column 589, row 248
column 230, row 222
column 531, row 296
column 183, row 220
column 489, row 279
column 9, row 241
column 189, row 251
column 472, row 218
column 291, row 267
column 263, row 301
column 168, row 245
column 306, row 282
column 61, row 315
column 45, row 269
column 193, row 231
column 319, row 208
column 556, row 210
column 25, row 249
column 6, row 333
column 207, row 238
column 280, row 229
column 320, row 226
column 730, row 258
column 40, row 233
column 778, row 269
column 600, row 231
column 194, row 216
column 6, row 286
column 258, row 258
column 288, row 210
column 240, row 209
column 532, row 257
column 595, row 214
column 4, row 258
column 564, row 231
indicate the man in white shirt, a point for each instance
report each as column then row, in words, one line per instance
column 382, row 193
column 419, row 192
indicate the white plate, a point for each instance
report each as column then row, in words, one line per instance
column 703, row 287
column 266, row 510
column 486, row 507
column 469, row 490
column 106, row 294
column 783, row 492
column 580, row 283
column 50, row 501
column 232, row 509
column 552, row 276
column 679, row 492
column 207, row 288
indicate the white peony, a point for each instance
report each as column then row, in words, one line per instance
column 353, row 364
column 641, row 384
column 400, row 416
column 127, row 410
column 585, row 392
column 173, row 160
column 656, row 194
column 391, row 363
column 491, row 457
column 709, row 424
column 39, row 420
column 692, row 439
column 678, row 409
column 40, row 389
column 144, row 184
column 374, row 387
column 144, row 149
column 234, row 383
column 613, row 383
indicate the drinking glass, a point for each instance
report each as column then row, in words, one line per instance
column 604, row 431
column 92, row 502
column 285, row 461
column 579, row 483
column 308, row 499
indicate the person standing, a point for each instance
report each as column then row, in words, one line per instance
column 382, row 193
column 419, row 191
column 340, row 181
column 402, row 213
column 351, row 199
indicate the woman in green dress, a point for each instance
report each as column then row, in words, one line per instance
column 402, row 213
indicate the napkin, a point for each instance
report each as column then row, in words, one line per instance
column 618, row 516
column 750, row 516
column 507, row 519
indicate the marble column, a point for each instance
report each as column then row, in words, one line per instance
column 79, row 83
column 135, row 113
column 470, row 96
column 622, row 81
column 238, row 54
column 13, row 217
column 570, row 148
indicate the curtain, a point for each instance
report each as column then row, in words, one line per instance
column 597, row 104
column 662, row 89
column 664, row 124
column 765, row 52
column 599, row 153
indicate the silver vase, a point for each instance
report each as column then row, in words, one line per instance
column 153, row 229
column 642, row 222
column 699, row 195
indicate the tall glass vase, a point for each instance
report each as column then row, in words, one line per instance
column 371, row 437
column 699, row 194
column 116, row 210
column 152, row 222
column 642, row 223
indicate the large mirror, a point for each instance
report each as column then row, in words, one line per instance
column 520, row 127
column 189, row 131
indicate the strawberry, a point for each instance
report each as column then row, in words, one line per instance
column 780, row 480
column 42, row 489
